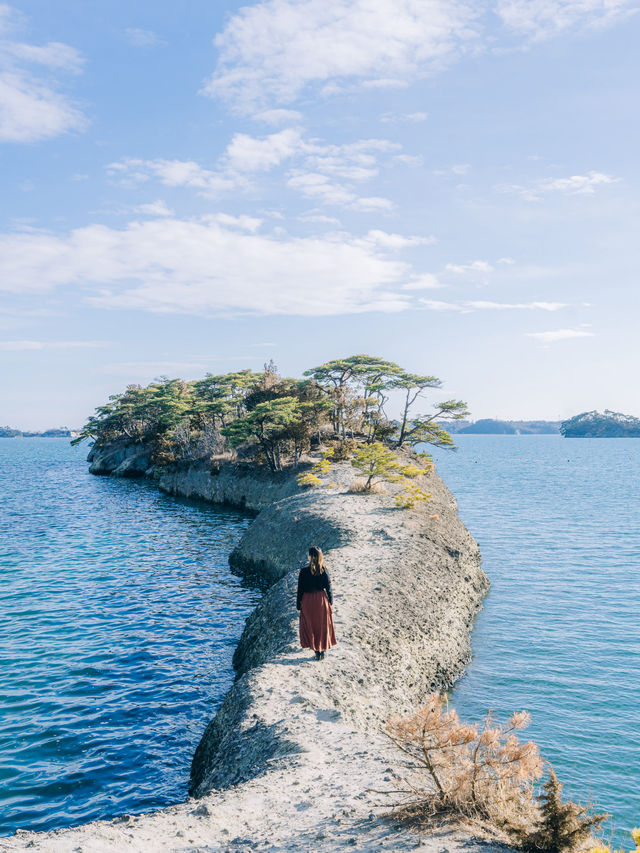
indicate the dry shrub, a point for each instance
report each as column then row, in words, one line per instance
column 480, row 771
column 359, row 487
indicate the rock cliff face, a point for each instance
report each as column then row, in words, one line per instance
column 296, row 750
column 121, row 460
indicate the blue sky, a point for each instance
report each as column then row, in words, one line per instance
column 205, row 186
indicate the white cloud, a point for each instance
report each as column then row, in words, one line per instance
column 278, row 116
column 24, row 346
column 206, row 267
column 385, row 83
column 540, row 19
column 356, row 161
column 473, row 267
column 373, row 204
column 248, row 154
column 319, row 187
column 408, row 159
column 435, row 305
column 393, row 118
column 319, row 218
column 573, row 185
column 456, row 169
column 243, row 222
column 143, row 38
column 502, row 306
column 559, row 335
column 274, row 51
column 270, row 52
column 31, row 105
column 154, row 208
column 52, row 55
column 581, row 184
column 466, row 307
column 376, row 237
column 174, row 173
column 426, row 281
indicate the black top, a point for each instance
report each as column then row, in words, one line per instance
column 308, row 582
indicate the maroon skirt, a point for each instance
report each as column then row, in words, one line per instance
column 316, row 622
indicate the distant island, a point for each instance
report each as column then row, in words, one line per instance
column 606, row 425
column 58, row 432
column 492, row 426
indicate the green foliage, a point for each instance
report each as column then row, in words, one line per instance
column 411, row 496
column 423, row 429
column 343, row 449
column 596, row 425
column 185, row 422
column 377, row 463
column 563, row 824
column 427, row 431
column 222, row 397
column 309, row 479
column 274, row 425
column 140, row 414
column 323, row 467
column 356, row 387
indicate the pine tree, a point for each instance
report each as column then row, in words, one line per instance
column 563, row 824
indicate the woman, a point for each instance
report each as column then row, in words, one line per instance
column 315, row 601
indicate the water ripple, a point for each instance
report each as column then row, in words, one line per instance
column 119, row 619
column 558, row 523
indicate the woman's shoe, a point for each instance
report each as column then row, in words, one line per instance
column 319, row 655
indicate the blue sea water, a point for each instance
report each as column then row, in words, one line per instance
column 558, row 524
column 119, row 615
column 118, row 619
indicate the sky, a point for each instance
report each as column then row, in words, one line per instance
column 204, row 186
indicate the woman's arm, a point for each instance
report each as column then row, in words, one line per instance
column 327, row 586
column 299, row 596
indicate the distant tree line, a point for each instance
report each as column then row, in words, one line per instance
column 276, row 419
column 595, row 425
column 58, row 432
column 493, row 426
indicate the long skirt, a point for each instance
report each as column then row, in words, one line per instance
column 316, row 622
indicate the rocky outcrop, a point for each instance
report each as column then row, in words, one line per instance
column 242, row 486
column 121, row 460
column 295, row 758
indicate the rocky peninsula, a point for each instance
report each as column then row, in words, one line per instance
column 295, row 758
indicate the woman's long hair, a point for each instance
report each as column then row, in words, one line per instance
column 316, row 561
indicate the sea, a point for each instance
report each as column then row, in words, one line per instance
column 558, row 525
column 118, row 621
column 119, row 615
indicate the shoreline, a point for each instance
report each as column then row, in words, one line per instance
column 291, row 756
